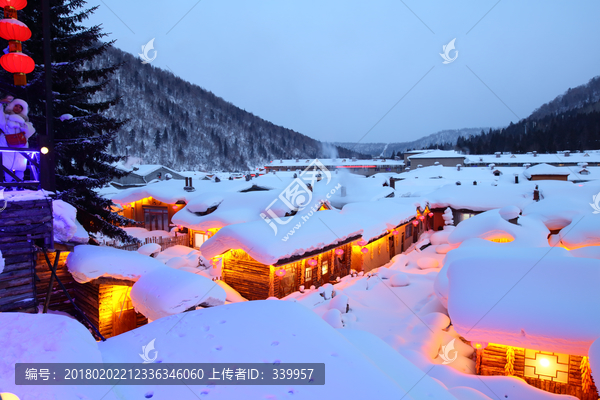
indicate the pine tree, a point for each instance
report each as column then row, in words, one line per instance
column 81, row 143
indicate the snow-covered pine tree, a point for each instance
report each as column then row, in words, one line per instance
column 82, row 161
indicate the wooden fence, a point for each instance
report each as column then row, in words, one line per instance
column 164, row 242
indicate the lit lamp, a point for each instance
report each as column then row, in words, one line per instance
column 44, row 150
column 339, row 252
column 415, row 222
column 280, row 272
column 312, row 262
column 364, row 250
column 15, row 32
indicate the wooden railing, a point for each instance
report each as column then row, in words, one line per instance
column 164, row 242
column 31, row 178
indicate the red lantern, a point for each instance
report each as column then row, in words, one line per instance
column 364, row 250
column 415, row 222
column 394, row 232
column 312, row 262
column 339, row 252
column 18, row 64
column 280, row 272
column 421, row 217
column 15, row 32
column 12, row 6
column 361, row 242
column 430, row 214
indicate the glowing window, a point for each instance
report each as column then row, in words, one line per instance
column 548, row 366
column 308, row 274
column 325, row 267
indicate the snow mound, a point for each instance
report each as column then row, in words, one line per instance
column 232, row 295
column 149, row 249
column 399, row 280
column 428, row 263
column 334, row 318
column 66, row 226
column 263, row 332
column 509, row 212
column 441, row 237
column 45, row 338
column 340, row 302
column 167, row 291
column 583, row 231
column 444, row 248
column 467, row 393
column 88, row 262
column 585, row 252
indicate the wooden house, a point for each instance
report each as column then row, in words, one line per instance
column 107, row 303
column 257, row 281
column 546, row 172
column 520, row 325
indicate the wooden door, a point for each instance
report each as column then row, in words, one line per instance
column 392, row 245
column 124, row 317
column 156, row 218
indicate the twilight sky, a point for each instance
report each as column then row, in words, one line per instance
column 331, row 69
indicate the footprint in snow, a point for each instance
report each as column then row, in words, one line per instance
column 149, row 395
column 206, row 328
column 222, row 322
column 219, row 348
column 275, row 343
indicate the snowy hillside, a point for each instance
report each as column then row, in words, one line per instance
column 180, row 125
column 578, row 97
column 441, row 137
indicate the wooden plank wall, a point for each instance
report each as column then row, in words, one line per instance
column 21, row 224
column 58, row 299
column 494, row 359
column 246, row 275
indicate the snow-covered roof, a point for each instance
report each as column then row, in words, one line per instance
column 588, row 156
column 302, row 163
column 546, row 169
column 172, row 191
column 87, row 262
column 167, row 291
column 436, row 154
column 521, row 299
column 310, row 231
column 142, row 169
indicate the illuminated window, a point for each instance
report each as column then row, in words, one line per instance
column 199, row 238
column 308, row 274
column 324, row 267
column 548, row 366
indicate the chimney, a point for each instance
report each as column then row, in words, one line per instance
column 535, row 153
column 393, row 183
column 188, row 185
column 567, row 153
column 497, row 154
column 516, row 178
column 536, row 194
column 474, row 183
column 458, row 167
column 527, row 165
column 492, row 166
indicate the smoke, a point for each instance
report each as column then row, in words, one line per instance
column 329, row 151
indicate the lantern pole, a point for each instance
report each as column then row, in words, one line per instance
column 47, row 161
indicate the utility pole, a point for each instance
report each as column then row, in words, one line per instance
column 47, row 161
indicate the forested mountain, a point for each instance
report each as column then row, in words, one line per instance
column 569, row 122
column 571, row 130
column 431, row 141
column 581, row 97
column 180, row 125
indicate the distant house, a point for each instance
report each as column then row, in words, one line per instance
column 446, row 158
column 546, row 172
column 353, row 165
column 142, row 174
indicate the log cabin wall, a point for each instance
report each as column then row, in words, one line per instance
column 246, row 275
column 494, row 360
column 22, row 224
column 97, row 301
column 58, row 299
column 378, row 254
column 136, row 212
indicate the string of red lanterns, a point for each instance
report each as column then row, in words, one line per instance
column 15, row 32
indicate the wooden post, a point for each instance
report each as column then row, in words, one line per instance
column 49, row 293
column 479, row 353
